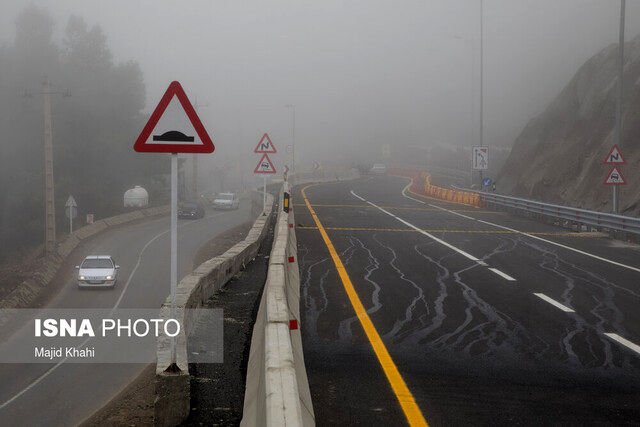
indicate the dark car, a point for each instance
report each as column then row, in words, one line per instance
column 190, row 210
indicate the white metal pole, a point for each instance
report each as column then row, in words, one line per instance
column 70, row 220
column 174, row 243
column 618, row 130
column 264, row 195
column 481, row 79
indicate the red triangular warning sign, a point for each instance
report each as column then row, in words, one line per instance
column 265, row 165
column 265, row 145
column 174, row 140
column 615, row 177
column 614, row 157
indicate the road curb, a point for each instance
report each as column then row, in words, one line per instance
column 173, row 383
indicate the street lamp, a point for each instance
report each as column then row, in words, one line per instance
column 293, row 137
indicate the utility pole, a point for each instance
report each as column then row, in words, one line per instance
column 50, row 213
column 618, row 129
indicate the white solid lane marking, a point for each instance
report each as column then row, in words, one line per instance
column 431, row 236
column 54, row 367
column 554, row 303
column 503, row 275
column 404, row 193
column 542, row 239
column 624, row 342
column 357, row 196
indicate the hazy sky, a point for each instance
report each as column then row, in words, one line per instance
column 361, row 73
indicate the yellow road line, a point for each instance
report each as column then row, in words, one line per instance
column 452, row 231
column 407, row 402
column 400, row 208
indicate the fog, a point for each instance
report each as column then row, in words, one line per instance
column 361, row 74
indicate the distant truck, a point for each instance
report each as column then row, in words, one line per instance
column 136, row 197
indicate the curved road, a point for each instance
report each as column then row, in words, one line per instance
column 476, row 324
column 47, row 394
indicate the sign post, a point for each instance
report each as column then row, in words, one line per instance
column 71, row 210
column 265, row 166
column 614, row 178
column 480, row 159
column 171, row 133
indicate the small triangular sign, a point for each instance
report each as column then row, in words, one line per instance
column 265, row 145
column 614, row 157
column 178, row 138
column 71, row 202
column 265, row 165
column 615, row 177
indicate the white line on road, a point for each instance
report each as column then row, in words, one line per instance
column 554, row 303
column 408, row 224
column 540, row 238
column 503, row 275
column 133, row 272
column 404, row 193
column 624, row 342
column 357, row 196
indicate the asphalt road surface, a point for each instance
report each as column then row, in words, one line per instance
column 461, row 319
column 47, row 394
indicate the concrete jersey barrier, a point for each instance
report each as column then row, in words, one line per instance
column 277, row 390
column 173, row 386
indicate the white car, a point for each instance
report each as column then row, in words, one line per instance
column 226, row 201
column 379, row 169
column 97, row 271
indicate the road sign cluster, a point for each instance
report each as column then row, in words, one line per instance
column 614, row 158
column 265, row 147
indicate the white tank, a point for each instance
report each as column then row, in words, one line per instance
column 136, row 197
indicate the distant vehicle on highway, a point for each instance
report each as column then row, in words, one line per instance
column 226, row 201
column 379, row 169
column 190, row 210
column 97, row 271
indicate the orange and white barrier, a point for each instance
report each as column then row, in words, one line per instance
column 421, row 186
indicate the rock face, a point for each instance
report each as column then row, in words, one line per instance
column 558, row 156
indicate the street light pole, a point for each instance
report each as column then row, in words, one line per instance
column 481, row 79
column 618, row 129
column 293, row 138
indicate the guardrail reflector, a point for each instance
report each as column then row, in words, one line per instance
column 293, row 324
column 291, row 259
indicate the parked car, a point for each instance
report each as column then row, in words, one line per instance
column 226, row 201
column 97, row 271
column 379, row 169
column 191, row 210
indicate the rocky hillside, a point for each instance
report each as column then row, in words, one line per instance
column 558, row 156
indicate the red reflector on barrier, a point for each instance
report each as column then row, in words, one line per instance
column 293, row 325
column 290, row 225
column 291, row 259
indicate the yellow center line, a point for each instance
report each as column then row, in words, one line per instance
column 407, row 402
column 453, row 231
column 399, row 208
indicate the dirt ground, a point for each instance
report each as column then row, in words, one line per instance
column 134, row 404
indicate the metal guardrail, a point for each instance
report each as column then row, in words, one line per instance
column 582, row 216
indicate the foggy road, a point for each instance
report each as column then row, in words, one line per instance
column 46, row 394
column 484, row 325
